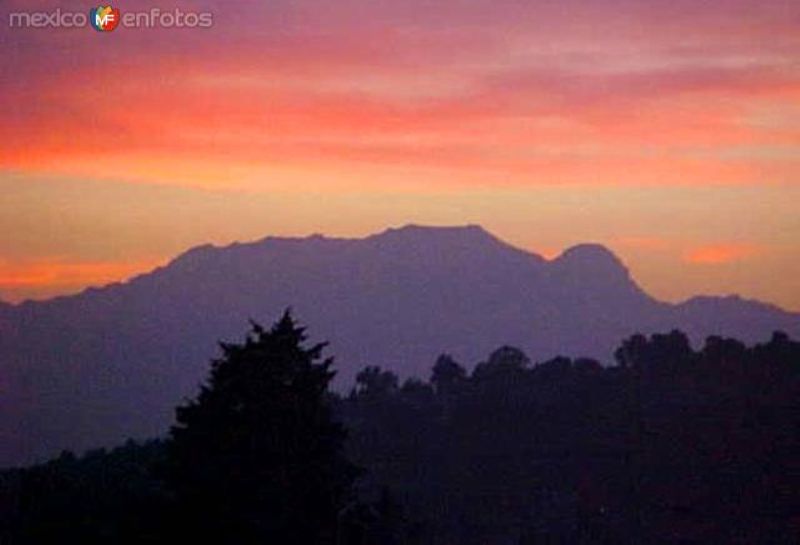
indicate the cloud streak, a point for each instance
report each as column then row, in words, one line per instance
column 43, row 278
column 721, row 254
column 616, row 106
column 417, row 85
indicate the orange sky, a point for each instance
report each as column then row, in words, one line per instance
column 668, row 130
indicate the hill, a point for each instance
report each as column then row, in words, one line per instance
column 111, row 363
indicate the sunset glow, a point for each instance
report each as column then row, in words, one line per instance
column 669, row 131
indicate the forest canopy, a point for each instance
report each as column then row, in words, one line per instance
column 670, row 445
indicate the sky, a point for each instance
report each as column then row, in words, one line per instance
column 667, row 130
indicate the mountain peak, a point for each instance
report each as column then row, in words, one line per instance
column 594, row 266
column 414, row 231
column 590, row 254
column 398, row 298
column 468, row 240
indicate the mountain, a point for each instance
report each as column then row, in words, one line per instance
column 111, row 363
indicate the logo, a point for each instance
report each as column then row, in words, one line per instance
column 104, row 18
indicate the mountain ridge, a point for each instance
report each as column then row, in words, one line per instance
column 208, row 249
column 110, row 363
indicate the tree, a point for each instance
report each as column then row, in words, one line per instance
column 661, row 353
column 257, row 457
column 374, row 382
column 447, row 375
column 507, row 362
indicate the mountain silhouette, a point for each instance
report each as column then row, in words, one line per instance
column 110, row 363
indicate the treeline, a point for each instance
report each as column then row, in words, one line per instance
column 670, row 445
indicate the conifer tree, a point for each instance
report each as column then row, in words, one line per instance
column 257, row 456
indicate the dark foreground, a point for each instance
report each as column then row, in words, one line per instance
column 670, row 446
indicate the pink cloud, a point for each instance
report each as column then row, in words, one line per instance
column 719, row 254
column 45, row 277
column 534, row 93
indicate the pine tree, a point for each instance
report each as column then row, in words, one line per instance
column 257, row 456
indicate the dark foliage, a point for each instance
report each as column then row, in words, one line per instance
column 671, row 446
column 102, row 497
column 257, row 457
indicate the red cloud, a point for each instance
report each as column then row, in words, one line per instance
column 717, row 254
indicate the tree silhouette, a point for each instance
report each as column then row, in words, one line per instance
column 506, row 362
column 672, row 446
column 375, row 382
column 447, row 375
column 661, row 353
column 257, row 457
